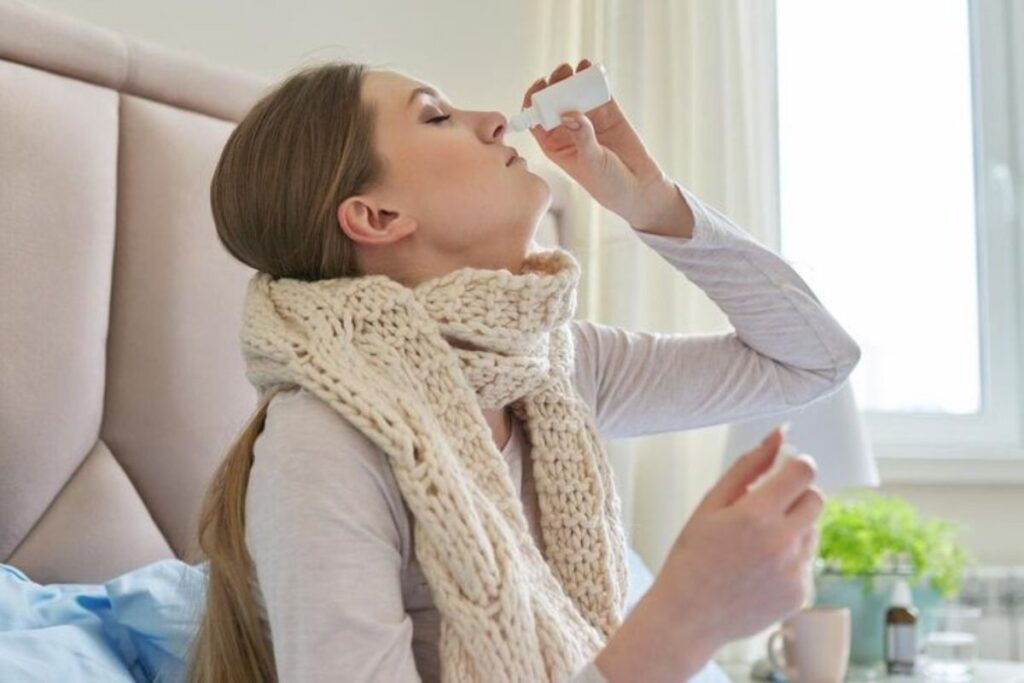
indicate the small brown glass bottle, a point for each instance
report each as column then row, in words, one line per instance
column 900, row 631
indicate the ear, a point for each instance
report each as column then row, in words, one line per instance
column 366, row 222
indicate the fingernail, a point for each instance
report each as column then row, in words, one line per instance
column 570, row 123
column 785, row 426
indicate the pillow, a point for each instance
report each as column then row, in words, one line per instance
column 135, row 627
column 55, row 632
column 155, row 612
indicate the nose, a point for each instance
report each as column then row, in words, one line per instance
column 494, row 126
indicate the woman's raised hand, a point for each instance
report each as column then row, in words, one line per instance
column 739, row 564
column 605, row 155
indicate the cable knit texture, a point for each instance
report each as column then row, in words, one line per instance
column 413, row 368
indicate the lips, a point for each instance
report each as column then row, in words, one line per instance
column 512, row 157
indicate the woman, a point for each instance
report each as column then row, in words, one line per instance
column 356, row 530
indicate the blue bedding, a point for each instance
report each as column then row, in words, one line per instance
column 136, row 627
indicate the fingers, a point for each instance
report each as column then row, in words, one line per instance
column 561, row 72
column 538, row 84
column 781, row 488
column 743, row 472
column 807, row 507
column 809, row 544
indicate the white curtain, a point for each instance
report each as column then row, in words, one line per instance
column 697, row 80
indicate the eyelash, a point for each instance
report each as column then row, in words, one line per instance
column 439, row 118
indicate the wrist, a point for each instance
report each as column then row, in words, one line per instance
column 685, row 623
column 665, row 211
column 655, row 643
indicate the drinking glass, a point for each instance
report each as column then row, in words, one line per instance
column 951, row 648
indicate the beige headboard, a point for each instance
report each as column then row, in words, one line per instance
column 121, row 377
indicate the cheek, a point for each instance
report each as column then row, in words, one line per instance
column 464, row 166
column 466, row 196
column 451, row 154
column 467, row 178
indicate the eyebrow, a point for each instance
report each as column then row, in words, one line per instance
column 423, row 90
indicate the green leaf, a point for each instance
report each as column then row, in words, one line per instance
column 869, row 533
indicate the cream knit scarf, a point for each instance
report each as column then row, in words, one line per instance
column 380, row 353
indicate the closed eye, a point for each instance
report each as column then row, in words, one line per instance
column 439, row 118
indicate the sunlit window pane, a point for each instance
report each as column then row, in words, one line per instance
column 877, row 189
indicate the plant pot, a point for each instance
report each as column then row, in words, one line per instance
column 867, row 596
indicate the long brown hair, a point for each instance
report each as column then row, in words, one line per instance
column 303, row 148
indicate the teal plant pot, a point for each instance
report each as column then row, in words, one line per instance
column 867, row 596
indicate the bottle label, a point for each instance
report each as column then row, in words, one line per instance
column 901, row 642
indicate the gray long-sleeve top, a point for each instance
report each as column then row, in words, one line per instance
column 330, row 534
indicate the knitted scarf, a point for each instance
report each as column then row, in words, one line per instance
column 391, row 359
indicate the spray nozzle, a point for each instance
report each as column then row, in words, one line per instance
column 523, row 120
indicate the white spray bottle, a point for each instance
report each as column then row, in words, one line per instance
column 583, row 91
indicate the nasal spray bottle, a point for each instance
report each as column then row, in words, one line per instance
column 585, row 90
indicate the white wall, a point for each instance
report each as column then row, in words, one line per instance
column 481, row 54
column 993, row 516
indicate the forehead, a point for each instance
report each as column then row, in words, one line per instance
column 393, row 89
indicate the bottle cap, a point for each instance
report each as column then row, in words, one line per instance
column 900, row 595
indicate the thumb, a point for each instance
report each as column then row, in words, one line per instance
column 582, row 131
column 744, row 472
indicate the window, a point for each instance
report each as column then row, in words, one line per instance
column 900, row 144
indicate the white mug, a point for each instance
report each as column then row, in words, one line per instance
column 816, row 645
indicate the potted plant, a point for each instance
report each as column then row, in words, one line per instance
column 869, row 541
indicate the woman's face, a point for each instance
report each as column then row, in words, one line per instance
column 449, row 198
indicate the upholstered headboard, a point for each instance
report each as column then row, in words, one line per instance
column 121, row 376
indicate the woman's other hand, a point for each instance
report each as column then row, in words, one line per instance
column 739, row 564
column 607, row 157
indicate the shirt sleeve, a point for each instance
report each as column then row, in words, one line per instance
column 785, row 349
column 320, row 526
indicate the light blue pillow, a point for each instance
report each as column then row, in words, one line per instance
column 135, row 627
column 55, row 632
column 155, row 612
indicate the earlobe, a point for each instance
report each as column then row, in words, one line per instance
column 367, row 223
